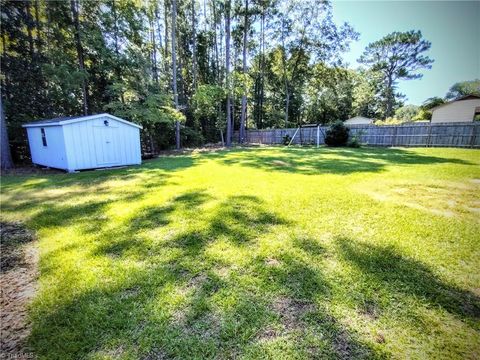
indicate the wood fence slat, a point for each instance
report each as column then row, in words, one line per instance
column 428, row 135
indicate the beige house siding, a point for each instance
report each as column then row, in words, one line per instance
column 457, row 111
column 358, row 120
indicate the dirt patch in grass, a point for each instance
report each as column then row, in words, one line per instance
column 18, row 274
column 280, row 163
column 291, row 312
column 343, row 346
column 369, row 310
column 272, row 262
column 155, row 354
column 267, row 334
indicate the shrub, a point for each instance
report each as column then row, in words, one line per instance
column 389, row 121
column 354, row 141
column 337, row 134
column 191, row 137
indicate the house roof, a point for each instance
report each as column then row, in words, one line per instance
column 359, row 117
column 74, row 119
column 466, row 97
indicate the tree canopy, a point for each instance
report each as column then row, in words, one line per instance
column 397, row 56
column 282, row 65
column 463, row 88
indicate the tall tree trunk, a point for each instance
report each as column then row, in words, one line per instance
column 262, row 65
column 217, row 62
column 194, row 44
column 118, row 70
column 161, row 49
column 285, row 77
column 390, row 98
column 154, row 50
column 159, row 29
column 29, row 21
column 80, row 58
column 227, row 71
column 180, row 81
column 6, row 155
column 243, row 117
column 174, row 71
column 167, row 38
column 205, row 16
column 38, row 26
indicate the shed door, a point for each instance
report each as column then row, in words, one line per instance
column 106, row 148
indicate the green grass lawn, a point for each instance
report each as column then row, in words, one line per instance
column 258, row 253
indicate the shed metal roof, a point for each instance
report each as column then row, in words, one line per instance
column 74, row 119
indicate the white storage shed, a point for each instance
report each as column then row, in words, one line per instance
column 85, row 142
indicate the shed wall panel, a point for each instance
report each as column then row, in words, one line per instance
column 91, row 144
column 52, row 155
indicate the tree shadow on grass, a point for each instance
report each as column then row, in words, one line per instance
column 159, row 170
column 89, row 216
column 60, row 205
column 13, row 238
column 330, row 161
column 241, row 218
column 51, row 193
column 63, row 215
column 192, row 304
column 148, row 218
column 400, row 274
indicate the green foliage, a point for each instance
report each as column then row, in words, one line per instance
column 407, row 112
column 389, row 121
column 206, row 99
column 328, row 94
column 432, row 102
column 366, row 86
column 463, row 88
column 207, row 105
column 172, row 115
column 397, row 56
column 354, row 141
column 337, row 134
column 191, row 137
column 423, row 114
column 118, row 58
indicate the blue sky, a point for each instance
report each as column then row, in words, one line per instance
column 453, row 28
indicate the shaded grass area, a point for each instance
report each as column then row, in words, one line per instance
column 17, row 283
column 258, row 253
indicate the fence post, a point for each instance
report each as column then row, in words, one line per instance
column 434, row 135
column 429, row 137
column 394, row 138
column 474, row 135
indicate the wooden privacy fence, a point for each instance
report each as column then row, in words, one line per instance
column 422, row 134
